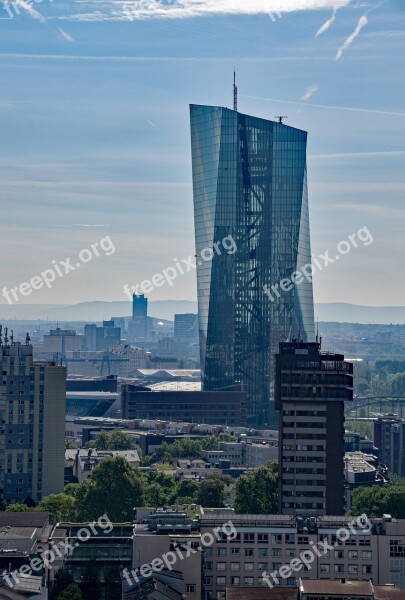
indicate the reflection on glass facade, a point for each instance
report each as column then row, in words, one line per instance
column 249, row 179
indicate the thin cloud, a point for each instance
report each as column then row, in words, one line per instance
column 151, row 123
column 32, row 12
column 330, row 106
column 327, row 24
column 310, row 91
column 65, row 36
column 184, row 9
column 362, row 22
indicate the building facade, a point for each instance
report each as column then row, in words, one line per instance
column 264, row 543
column 250, row 187
column 32, row 424
column 216, row 408
column 389, row 437
column 311, row 389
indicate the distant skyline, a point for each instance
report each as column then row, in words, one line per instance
column 96, row 140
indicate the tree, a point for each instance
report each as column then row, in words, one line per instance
column 61, row 506
column 162, row 488
column 70, row 445
column 115, row 489
column 257, row 491
column 210, row 442
column 226, row 437
column 100, row 442
column 187, row 488
column 71, row 489
column 211, row 493
column 17, row 508
column 72, row 592
column 375, row 501
column 117, row 440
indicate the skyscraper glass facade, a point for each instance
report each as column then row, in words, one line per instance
column 250, row 182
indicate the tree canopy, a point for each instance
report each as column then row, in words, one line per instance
column 257, row 491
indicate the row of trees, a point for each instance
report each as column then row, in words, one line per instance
column 376, row 501
column 116, row 488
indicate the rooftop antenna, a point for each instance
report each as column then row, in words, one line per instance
column 6, row 337
column 27, row 338
column 317, row 329
column 1, row 335
column 280, row 118
column 12, row 337
column 235, row 93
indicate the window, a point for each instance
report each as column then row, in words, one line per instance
column 263, row 566
column 221, row 551
column 366, row 555
column 249, row 566
column 364, row 540
column 221, row 566
column 220, row 595
column 208, row 551
column 353, row 555
column 249, row 552
column 249, row 580
column 367, row 569
column 221, row 580
column 353, row 569
column 276, row 566
column 207, row 580
column 290, row 553
column 235, row 566
column 276, row 538
column 276, row 552
column 290, row 538
column 235, row 580
column 325, row 568
column 339, row 554
column 339, row 568
column 190, row 588
column 208, row 566
column 262, row 538
column 249, row 538
column 235, row 551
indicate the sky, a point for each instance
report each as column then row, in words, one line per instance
column 95, row 139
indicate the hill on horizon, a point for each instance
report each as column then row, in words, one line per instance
column 339, row 312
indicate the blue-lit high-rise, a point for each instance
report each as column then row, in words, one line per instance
column 250, row 182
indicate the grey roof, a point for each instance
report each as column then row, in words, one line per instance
column 24, row 519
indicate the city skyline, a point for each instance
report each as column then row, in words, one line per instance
column 125, row 107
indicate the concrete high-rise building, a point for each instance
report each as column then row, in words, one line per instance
column 32, row 424
column 250, row 187
column 311, row 390
column 62, row 340
column 389, row 437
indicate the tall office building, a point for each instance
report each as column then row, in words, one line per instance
column 389, row 437
column 32, row 424
column 250, row 182
column 139, row 325
column 311, row 390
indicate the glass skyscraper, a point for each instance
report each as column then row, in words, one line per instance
column 250, row 182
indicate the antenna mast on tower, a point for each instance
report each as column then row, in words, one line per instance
column 235, row 93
